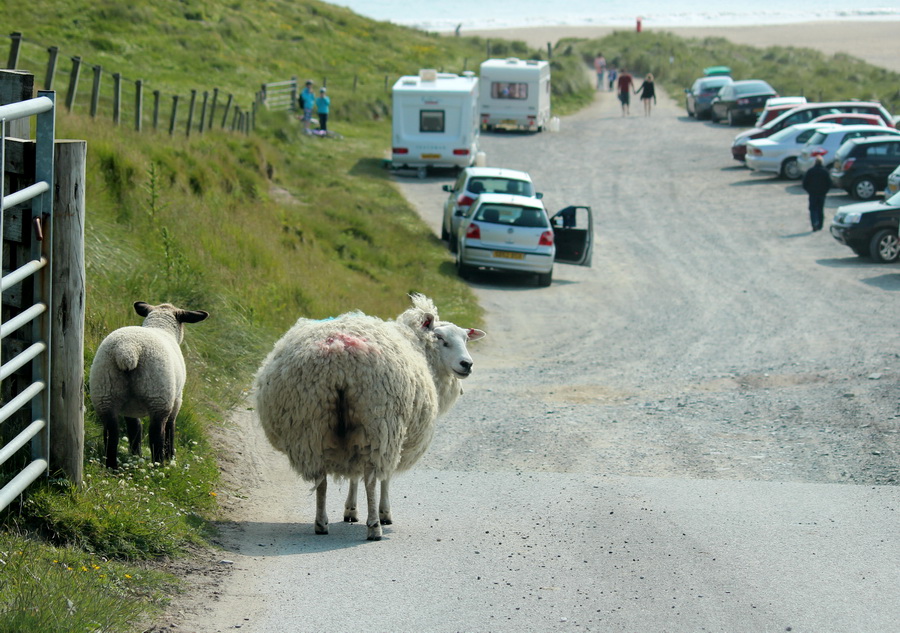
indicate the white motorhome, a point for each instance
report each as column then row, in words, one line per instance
column 515, row 94
column 435, row 121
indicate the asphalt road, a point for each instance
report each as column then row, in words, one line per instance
column 699, row 433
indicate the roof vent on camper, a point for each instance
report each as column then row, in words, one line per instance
column 512, row 60
column 469, row 73
column 428, row 74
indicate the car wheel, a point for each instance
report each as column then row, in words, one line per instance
column 453, row 245
column 863, row 189
column 884, row 247
column 790, row 169
column 545, row 279
column 731, row 120
column 463, row 270
column 688, row 110
column 445, row 234
column 713, row 116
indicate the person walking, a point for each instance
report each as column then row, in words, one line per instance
column 323, row 104
column 626, row 85
column 600, row 68
column 611, row 77
column 307, row 102
column 817, row 182
column 648, row 92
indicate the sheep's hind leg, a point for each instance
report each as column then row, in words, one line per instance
column 384, row 504
column 111, row 438
column 350, row 513
column 321, row 515
column 156, row 436
column 373, row 525
column 133, row 429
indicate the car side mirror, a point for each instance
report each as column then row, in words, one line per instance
column 460, row 213
column 687, row 91
column 447, row 188
column 539, row 195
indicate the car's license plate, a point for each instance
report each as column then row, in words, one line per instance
column 508, row 255
column 431, row 155
column 509, row 122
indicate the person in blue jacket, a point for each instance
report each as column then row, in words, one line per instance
column 307, row 102
column 323, row 103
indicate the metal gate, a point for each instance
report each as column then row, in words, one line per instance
column 30, row 399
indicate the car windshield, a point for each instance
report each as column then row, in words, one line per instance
column 512, row 215
column 493, row 184
column 756, row 86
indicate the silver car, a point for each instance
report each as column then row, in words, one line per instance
column 474, row 181
column 826, row 142
column 514, row 233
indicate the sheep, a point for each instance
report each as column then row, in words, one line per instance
column 357, row 397
column 139, row 371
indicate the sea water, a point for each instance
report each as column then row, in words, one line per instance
column 447, row 15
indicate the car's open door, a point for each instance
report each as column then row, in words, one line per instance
column 573, row 232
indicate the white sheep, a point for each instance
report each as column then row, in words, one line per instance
column 139, row 371
column 357, row 396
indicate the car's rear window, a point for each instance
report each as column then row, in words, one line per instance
column 484, row 184
column 512, row 215
column 818, row 138
column 757, row 86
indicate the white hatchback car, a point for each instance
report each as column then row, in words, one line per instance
column 474, row 181
column 825, row 142
column 778, row 153
column 514, row 233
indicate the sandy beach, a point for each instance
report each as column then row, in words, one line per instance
column 875, row 42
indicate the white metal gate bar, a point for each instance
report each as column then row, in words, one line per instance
column 37, row 394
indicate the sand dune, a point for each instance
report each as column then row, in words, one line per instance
column 876, row 42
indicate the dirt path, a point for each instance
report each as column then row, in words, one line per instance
column 715, row 339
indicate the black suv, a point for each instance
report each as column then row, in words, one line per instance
column 862, row 165
column 870, row 228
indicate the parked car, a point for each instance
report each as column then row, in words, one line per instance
column 893, row 183
column 826, row 141
column 852, row 118
column 776, row 106
column 514, row 233
column 870, row 228
column 741, row 101
column 778, row 153
column 472, row 182
column 698, row 98
column 804, row 114
column 861, row 165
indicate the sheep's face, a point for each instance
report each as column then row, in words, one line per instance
column 451, row 344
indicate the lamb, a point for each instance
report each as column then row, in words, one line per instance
column 139, row 371
column 357, row 397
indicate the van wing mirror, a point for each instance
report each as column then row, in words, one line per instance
column 447, row 188
column 539, row 195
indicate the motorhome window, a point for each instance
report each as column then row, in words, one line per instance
column 508, row 90
column 431, row 121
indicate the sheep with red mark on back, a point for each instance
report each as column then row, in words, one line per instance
column 357, row 397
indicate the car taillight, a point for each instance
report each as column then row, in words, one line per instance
column 465, row 201
column 819, row 151
column 461, row 152
column 847, row 164
column 400, row 150
column 755, row 151
column 473, row 232
column 546, row 239
column 742, row 101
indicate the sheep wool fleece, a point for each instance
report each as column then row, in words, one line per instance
column 354, row 393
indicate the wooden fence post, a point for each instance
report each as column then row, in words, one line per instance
column 549, row 50
column 53, row 52
column 15, row 86
column 190, row 119
column 117, row 97
column 202, row 125
column 212, row 108
column 156, row 109
column 174, row 115
column 227, row 107
column 295, row 90
column 73, row 82
column 67, row 311
column 138, row 104
column 14, row 47
column 355, row 81
column 95, row 90
column 385, row 83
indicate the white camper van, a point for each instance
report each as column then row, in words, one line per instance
column 515, row 94
column 435, row 121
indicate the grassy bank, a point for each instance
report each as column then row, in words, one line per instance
column 256, row 229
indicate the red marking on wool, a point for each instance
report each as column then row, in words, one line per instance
column 341, row 342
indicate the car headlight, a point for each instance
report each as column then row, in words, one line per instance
column 852, row 218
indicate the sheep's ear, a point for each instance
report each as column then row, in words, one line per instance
column 142, row 308
column 474, row 335
column 428, row 321
column 191, row 316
